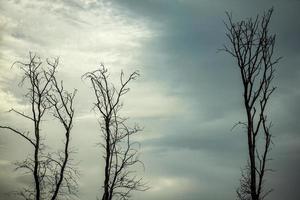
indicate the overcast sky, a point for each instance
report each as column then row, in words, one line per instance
column 187, row 99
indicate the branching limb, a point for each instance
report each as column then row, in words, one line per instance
column 23, row 135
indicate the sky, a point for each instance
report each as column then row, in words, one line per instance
column 188, row 97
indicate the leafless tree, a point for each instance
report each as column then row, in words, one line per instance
column 252, row 46
column 53, row 173
column 121, row 154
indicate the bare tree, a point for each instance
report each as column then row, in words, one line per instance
column 121, row 154
column 252, row 46
column 53, row 173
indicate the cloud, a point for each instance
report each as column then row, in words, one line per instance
column 188, row 97
column 8, row 101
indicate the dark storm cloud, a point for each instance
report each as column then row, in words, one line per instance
column 184, row 55
column 210, row 143
column 192, row 32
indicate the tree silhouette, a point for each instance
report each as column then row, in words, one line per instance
column 54, row 173
column 252, row 46
column 121, row 154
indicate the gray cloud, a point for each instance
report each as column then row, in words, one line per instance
column 184, row 55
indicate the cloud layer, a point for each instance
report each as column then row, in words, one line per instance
column 188, row 97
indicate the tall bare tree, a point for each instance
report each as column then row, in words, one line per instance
column 252, row 46
column 53, row 173
column 121, row 154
